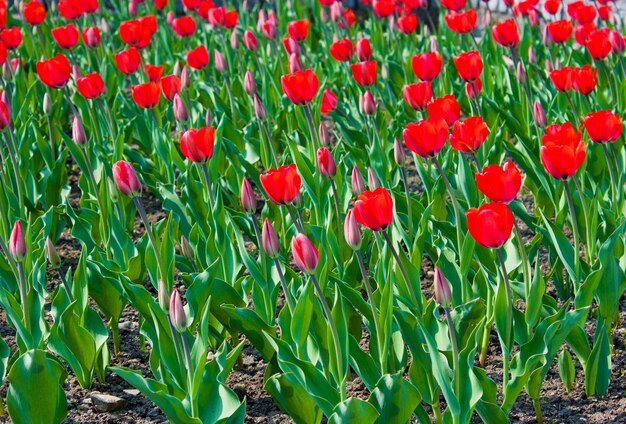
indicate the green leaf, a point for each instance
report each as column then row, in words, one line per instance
column 394, row 398
column 354, row 410
column 567, row 371
column 294, row 399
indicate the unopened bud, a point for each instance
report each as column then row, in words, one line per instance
column 323, row 15
column 177, row 69
column 521, row 73
column 358, row 183
column 324, row 135
column 269, row 239
column 539, row 115
column 78, row 132
column 249, row 84
column 52, row 254
column 163, row 295
column 259, row 109
column 248, row 198
column 7, row 101
column 326, row 163
column 113, row 193
column 336, row 11
column 220, row 62
column 294, row 63
column 442, row 292
column 486, row 20
column 185, row 248
column 250, row 41
column 184, row 77
column 208, row 118
column 368, row 104
column 132, row 9
column 398, row 152
column 617, row 42
column 532, row 57
column 434, row 47
column 180, row 110
column 234, row 40
column 351, row 231
column 372, row 179
column 17, row 243
column 170, row 18
column 305, row 255
column 178, row 317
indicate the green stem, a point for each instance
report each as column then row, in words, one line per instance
column 525, row 265
column 572, row 210
column 407, row 195
column 455, row 204
column 295, row 220
column 290, row 302
column 155, row 246
column 538, row 413
column 207, row 180
column 590, row 241
column 23, row 296
column 455, row 354
column 611, row 175
column 509, row 322
column 403, row 270
column 66, row 285
column 311, row 125
column 266, row 129
column 382, row 350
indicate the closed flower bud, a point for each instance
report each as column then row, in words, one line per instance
column 294, row 63
column 539, row 114
column 304, row 253
column 248, row 198
column 185, row 248
column 617, row 42
column 323, row 15
column 5, row 117
column 6, row 71
column 180, row 110
column 434, row 47
column 220, row 62
column 47, row 104
column 486, row 19
column 234, row 40
column 184, row 77
column 78, row 132
column 76, row 74
column 372, row 179
column 177, row 312
column 336, row 11
column 113, row 193
column 132, row 9
column 177, row 69
column 324, row 135
column 532, row 57
column 126, row 179
column 250, row 41
column 368, row 104
column 521, row 73
column 7, row 101
column 358, row 183
column 259, row 109
column 17, row 243
column 269, row 239
column 163, row 296
column 442, row 292
column 249, row 84
column 326, row 163
column 208, row 118
column 52, row 254
column 398, row 152
column 351, row 231
column 170, row 18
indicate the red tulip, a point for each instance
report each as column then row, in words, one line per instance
column 383, row 8
column 198, row 58
column 562, row 151
column 146, row 95
column 154, row 72
column 453, row 4
column 505, row 33
column 91, row 36
column 552, row 6
column 126, row 179
column 70, row 9
column 349, row 18
column 54, row 72
column 160, row 4
column 473, row 89
column 418, row 94
column 217, row 16
column 363, row 49
column 91, row 85
column 298, row 30
column 305, row 255
column 563, row 79
column 282, row 185
column 34, row 12
column 426, row 137
column 90, row 6
column 598, row 44
column 581, row 32
column 197, row 144
column 603, row 126
column 560, row 31
column 329, row 102
column 231, row 18
column 171, row 86
column 326, row 163
column 135, row 33
column 250, row 41
column 445, row 107
column 585, row 13
column 185, row 26
column 195, row 4
column 491, row 224
column 66, row 36
column 342, row 50
column 300, row 87
column 605, row 12
column 585, row 79
column 407, row 24
column 462, row 22
column 128, row 61
column 17, row 242
column 374, row 209
column 364, row 73
column 11, row 37
column 427, row 66
column 269, row 30
column 468, row 135
column 5, row 116
column 469, row 65
column 499, row 183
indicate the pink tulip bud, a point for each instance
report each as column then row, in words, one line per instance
column 534, row 17
column 508, row 62
column 78, row 132
column 248, row 198
column 249, row 84
column 336, row 11
column 76, row 74
column 546, row 40
column 549, row 66
column 442, row 292
column 92, row 37
column 521, row 73
column 177, row 69
column 104, row 25
column 250, row 41
column 269, row 29
column 126, row 179
column 324, row 135
column 486, row 20
column 208, row 118
column 326, row 163
column 323, row 15
column 363, row 49
column 180, row 110
column 294, row 47
column 358, row 183
column 184, row 77
column 51, row 254
column 271, row 17
column 177, row 312
column 304, row 253
column 532, row 57
column 294, row 63
column 269, row 239
column 185, row 248
column 17, row 243
column 617, row 42
column 259, row 109
column 220, row 62
column 132, row 9
column 170, row 18
column 434, row 47
column 163, row 295
column 368, row 104
column 351, row 231
column 398, row 152
column 260, row 20
column 539, row 115
column 234, row 40
column 372, row 180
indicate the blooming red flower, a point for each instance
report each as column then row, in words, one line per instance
column 91, row 85
column 499, row 183
column 374, row 209
column 135, row 33
column 150, row 22
column 426, row 137
column 70, row 9
column 128, row 61
column 282, row 184
column 562, row 151
column 195, row 4
column 445, row 107
column 231, row 18
column 349, row 18
column 407, row 24
column 585, row 13
column 473, row 89
column 216, row 16
column 146, row 95
column 160, row 4
column 198, row 58
column 197, row 144
column 418, row 94
column 461, row 22
column 305, row 254
column 326, row 163
column 301, row 86
column 383, row 8
column 154, row 72
column 560, row 31
column 91, row 36
column 505, row 33
column 342, row 50
column 329, row 102
column 54, row 72
column 426, row 66
column 363, row 49
column 66, row 36
column 603, row 126
column 605, row 12
column 552, row 6
column 11, row 37
column 563, row 79
column 184, row 26
column 298, row 30
column 90, row 6
column 453, row 4
column 469, row 65
column 364, row 73
column 126, row 178
column 585, row 79
column 34, row 12
column 598, row 44
column 468, row 135
column 491, row 224
column 171, row 86
column 581, row 32
column 250, row 41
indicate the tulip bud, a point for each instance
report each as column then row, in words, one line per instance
column 269, row 239
column 76, row 73
column 104, row 25
column 126, row 178
column 368, row 104
column 52, row 254
column 208, row 118
column 351, row 231
column 220, row 63
column 170, row 18
column 234, row 40
column 398, row 152
column 184, row 77
column 549, row 66
column 304, row 253
column 358, row 183
column 78, row 132
column 336, row 11
column 324, row 135
column 270, row 30
column 363, row 50
column 261, row 18
column 294, row 47
column 532, row 57
column 47, row 104
column 384, row 72
column 326, row 163
column 250, row 41
column 249, row 84
column 185, row 248
column 259, row 109
column 533, row 17
column 521, row 73
column 177, row 312
column 427, row 31
column 323, row 15
column 177, row 69
column 372, row 179
column 294, row 63
column 434, row 47
column 248, row 198
column 486, row 21
column 7, row 102
column 617, row 42
column 442, row 292
column 17, row 243
column 132, row 9
column 180, row 110
column 508, row 62
column 6, row 71
column 539, row 114
column 473, row 89
column 112, row 190
column 163, row 295
column 5, row 118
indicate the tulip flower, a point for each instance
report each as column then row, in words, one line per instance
column 491, row 224
column 446, row 108
column 250, row 40
column 178, row 317
column 282, row 185
column 562, row 151
column 461, row 22
column 11, row 37
column 180, row 110
column 54, row 72
column 248, row 198
column 197, row 144
column 453, row 4
column 91, row 36
column 135, row 33
column 78, row 132
column 326, row 163
column 300, row 87
column 505, row 33
column 126, row 179
column 363, row 50
column 342, row 50
column 418, row 94
column 329, row 102
column 17, row 243
column 559, row 31
column 271, row 244
column 500, row 183
column 66, row 36
column 128, row 61
column 585, row 79
column 603, row 126
column 70, row 9
column 34, row 12
column 426, row 137
column 598, row 44
column 427, row 66
column 364, row 73
column 552, row 6
column 294, row 63
column 352, row 234
column 357, row 182
column 91, row 85
column 367, row 103
column 407, row 24
column 298, row 30
column 584, row 13
column 198, row 58
column 441, row 289
column 185, row 26
column 469, row 65
column 171, row 86
column 154, row 72
column 374, row 209
column 305, row 254
column 539, row 115
column 473, row 89
column 563, row 79
column 468, row 135
column 146, row 95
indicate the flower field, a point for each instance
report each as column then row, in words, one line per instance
column 295, row 211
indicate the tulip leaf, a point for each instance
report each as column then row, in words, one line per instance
column 394, row 398
column 567, row 371
column 354, row 410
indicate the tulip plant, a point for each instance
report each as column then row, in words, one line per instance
column 358, row 199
